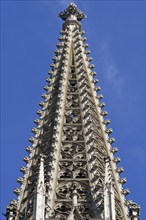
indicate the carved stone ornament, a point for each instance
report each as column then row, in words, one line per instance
column 134, row 211
column 72, row 10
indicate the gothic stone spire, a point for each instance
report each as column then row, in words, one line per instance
column 77, row 177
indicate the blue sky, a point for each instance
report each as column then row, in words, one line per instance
column 115, row 32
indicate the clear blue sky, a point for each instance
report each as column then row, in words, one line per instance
column 115, row 34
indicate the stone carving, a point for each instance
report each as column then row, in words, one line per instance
column 66, row 176
column 72, row 10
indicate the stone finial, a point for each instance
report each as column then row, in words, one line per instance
column 72, row 12
column 10, row 213
column 11, row 210
column 134, row 211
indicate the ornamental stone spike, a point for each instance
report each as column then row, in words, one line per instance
column 72, row 15
column 71, row 11
column 72, row 146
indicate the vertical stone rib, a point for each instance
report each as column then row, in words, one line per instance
column 105, row 138
column 39, row 199
column 109, row 197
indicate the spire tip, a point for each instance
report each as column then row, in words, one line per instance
column 72, row 10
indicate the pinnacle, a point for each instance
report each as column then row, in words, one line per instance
column 70, row 11
column 72, row 5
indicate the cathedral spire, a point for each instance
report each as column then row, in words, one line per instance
column 71, row 171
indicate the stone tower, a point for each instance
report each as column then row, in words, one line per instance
column 71, row 172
